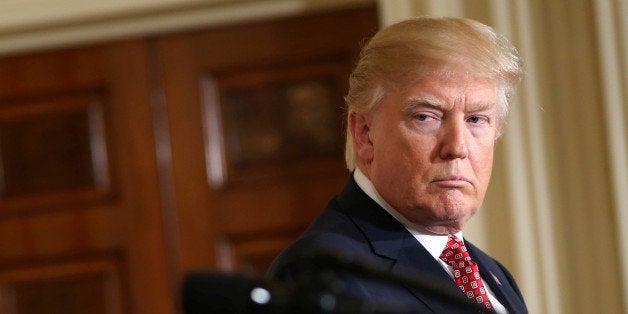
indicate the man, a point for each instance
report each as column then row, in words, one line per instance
column 427, row 101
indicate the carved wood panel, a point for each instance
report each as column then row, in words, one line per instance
column 123, row 165
column 53, row 148
column 92, row 285
column 80, row 211
column 261, row 103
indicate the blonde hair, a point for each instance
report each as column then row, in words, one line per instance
column 405, row 52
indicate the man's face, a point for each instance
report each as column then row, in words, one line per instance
column 428, row 149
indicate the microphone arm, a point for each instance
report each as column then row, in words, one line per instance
column 319, row 292
column 411, row 278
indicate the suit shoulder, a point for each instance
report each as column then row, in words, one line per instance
column 497, row 269
column 331, row 234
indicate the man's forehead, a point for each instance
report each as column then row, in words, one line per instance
column 442, row 90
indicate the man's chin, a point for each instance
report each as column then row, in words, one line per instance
column 451, row 221
column 454, row 209
column 443, row 229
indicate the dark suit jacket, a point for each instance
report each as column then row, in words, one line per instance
column 353, row 225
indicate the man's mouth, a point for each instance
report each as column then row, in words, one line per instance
column 452, row 181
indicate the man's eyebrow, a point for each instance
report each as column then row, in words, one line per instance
column 415, row 102
column 435, row 103
column 483, row 106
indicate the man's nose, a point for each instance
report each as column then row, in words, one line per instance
column 454, row 141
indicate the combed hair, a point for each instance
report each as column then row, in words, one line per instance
column 403, row 53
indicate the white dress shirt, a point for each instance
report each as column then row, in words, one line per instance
column 434, row 244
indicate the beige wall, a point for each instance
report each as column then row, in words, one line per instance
column 557, row 210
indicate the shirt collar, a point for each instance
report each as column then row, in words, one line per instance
column 434, row 244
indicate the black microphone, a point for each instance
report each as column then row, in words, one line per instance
column 219, row 292
column 215, row 292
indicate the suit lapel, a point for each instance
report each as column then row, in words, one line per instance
column 389, row 239
column 495, row 278
column 416, row 260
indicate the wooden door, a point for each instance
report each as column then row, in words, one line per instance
column 80, row 209
column 123, row 165
column 255, row 118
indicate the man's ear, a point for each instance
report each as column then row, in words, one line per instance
column 359, row 125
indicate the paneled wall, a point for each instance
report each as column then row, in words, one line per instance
column 124, row 165
column 254, row 115
column 80, row 209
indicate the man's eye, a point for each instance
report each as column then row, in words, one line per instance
column 422, row 117
column 476, row 119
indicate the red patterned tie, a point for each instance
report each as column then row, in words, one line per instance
column 466, row 272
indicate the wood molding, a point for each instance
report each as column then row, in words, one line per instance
column 39, row 24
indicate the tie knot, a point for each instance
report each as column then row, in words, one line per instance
column 455, row 251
